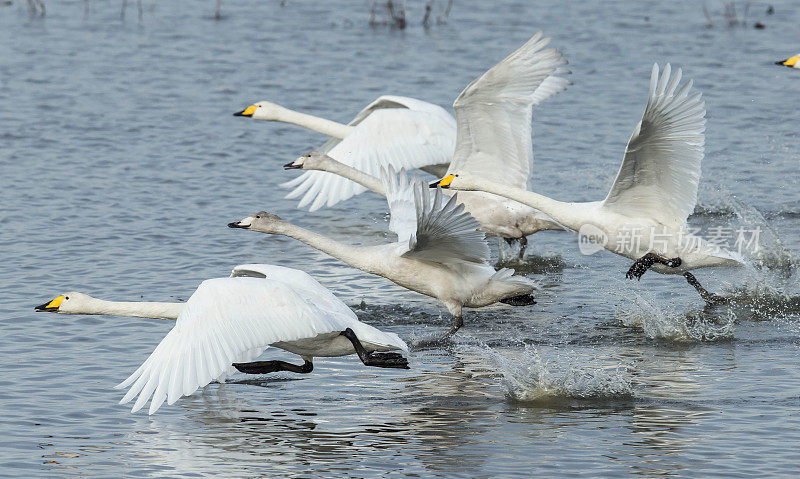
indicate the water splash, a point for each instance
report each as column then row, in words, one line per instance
column 660, row 320
column 771, row 252
column 528, row 378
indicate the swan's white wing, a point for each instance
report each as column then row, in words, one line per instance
column 437, row 228
column 301, row 282
column 400, row 196
column 493, row 113
column 406, row 135
column 224, row 321
column 311, row 290
column 661, row 169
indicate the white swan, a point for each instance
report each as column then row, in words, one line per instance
column 392, row 130
column 791, row 62
column 644, row 215
column 493, row 138
column 440, row 251
column 229, row 321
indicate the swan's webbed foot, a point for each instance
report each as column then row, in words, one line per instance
column 374, row 358
column 641, row 265
column 263, row 367
column 710, row 298
column 521, row 300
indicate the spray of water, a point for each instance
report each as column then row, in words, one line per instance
column 530, row 378
column 661, row 320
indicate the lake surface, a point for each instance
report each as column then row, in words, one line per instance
column 121, row 165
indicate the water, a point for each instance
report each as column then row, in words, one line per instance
column 121, row 165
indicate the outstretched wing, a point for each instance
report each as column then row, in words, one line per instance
column 493, row 113
column 435, row 227
column 224, row 321
column 661, row 168
column 400, row 196
column 392, row 131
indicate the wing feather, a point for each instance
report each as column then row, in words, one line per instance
column 660, row 172
column 493, row 113
column 397, row 131
column 435, row 229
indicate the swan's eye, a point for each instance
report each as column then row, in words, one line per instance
column 258, row 216
column 67, row 297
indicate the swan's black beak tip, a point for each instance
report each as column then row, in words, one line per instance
column 242, row 113
column 292, row 166
column 44, row 308
column 434, row 184
column 237, row 224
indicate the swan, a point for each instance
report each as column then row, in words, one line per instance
column 792, row 62
column 230, row 321
column 493, row 139
column 392, row 130
column 652, row 196
column 440, row 251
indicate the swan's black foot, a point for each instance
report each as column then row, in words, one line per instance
column 374, row 358
column 386, row 360
column 521, row 300
column 263, row 367
column 641, row 265
column 711, row 299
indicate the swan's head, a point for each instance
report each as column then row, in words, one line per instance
column 461, row 181
column 263, row 110
column 67, row 303
column 793, row 62
column 261, row 221
column 310, row 161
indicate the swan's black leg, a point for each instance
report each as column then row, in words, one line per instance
column 374, row 358
column 523, row 245
column 521, row 300
column 708, row 297
column 641, row 265
column 459, row 321
column 263, row 367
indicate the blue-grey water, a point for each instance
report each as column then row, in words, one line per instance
column 120, row 165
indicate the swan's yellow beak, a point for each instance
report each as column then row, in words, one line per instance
column 789, row 62
column 52, row 306
column 444, row 182
column 247, row 111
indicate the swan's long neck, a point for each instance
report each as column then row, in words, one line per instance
column 368, row 181
column 321, row 125
column 356, row 257
column 568, row 214
column 142, row 309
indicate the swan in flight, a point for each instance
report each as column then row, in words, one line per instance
column 493, row 139
column 440, row 251
column 392, row 130
column 792, row 62
column 227, row 322
column 644, row 215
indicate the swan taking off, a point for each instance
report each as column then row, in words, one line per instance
column 644, row 215
column 392, row 130
column 230, row 321
column 440, row 251
column 792, row 62
column 493, row 140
